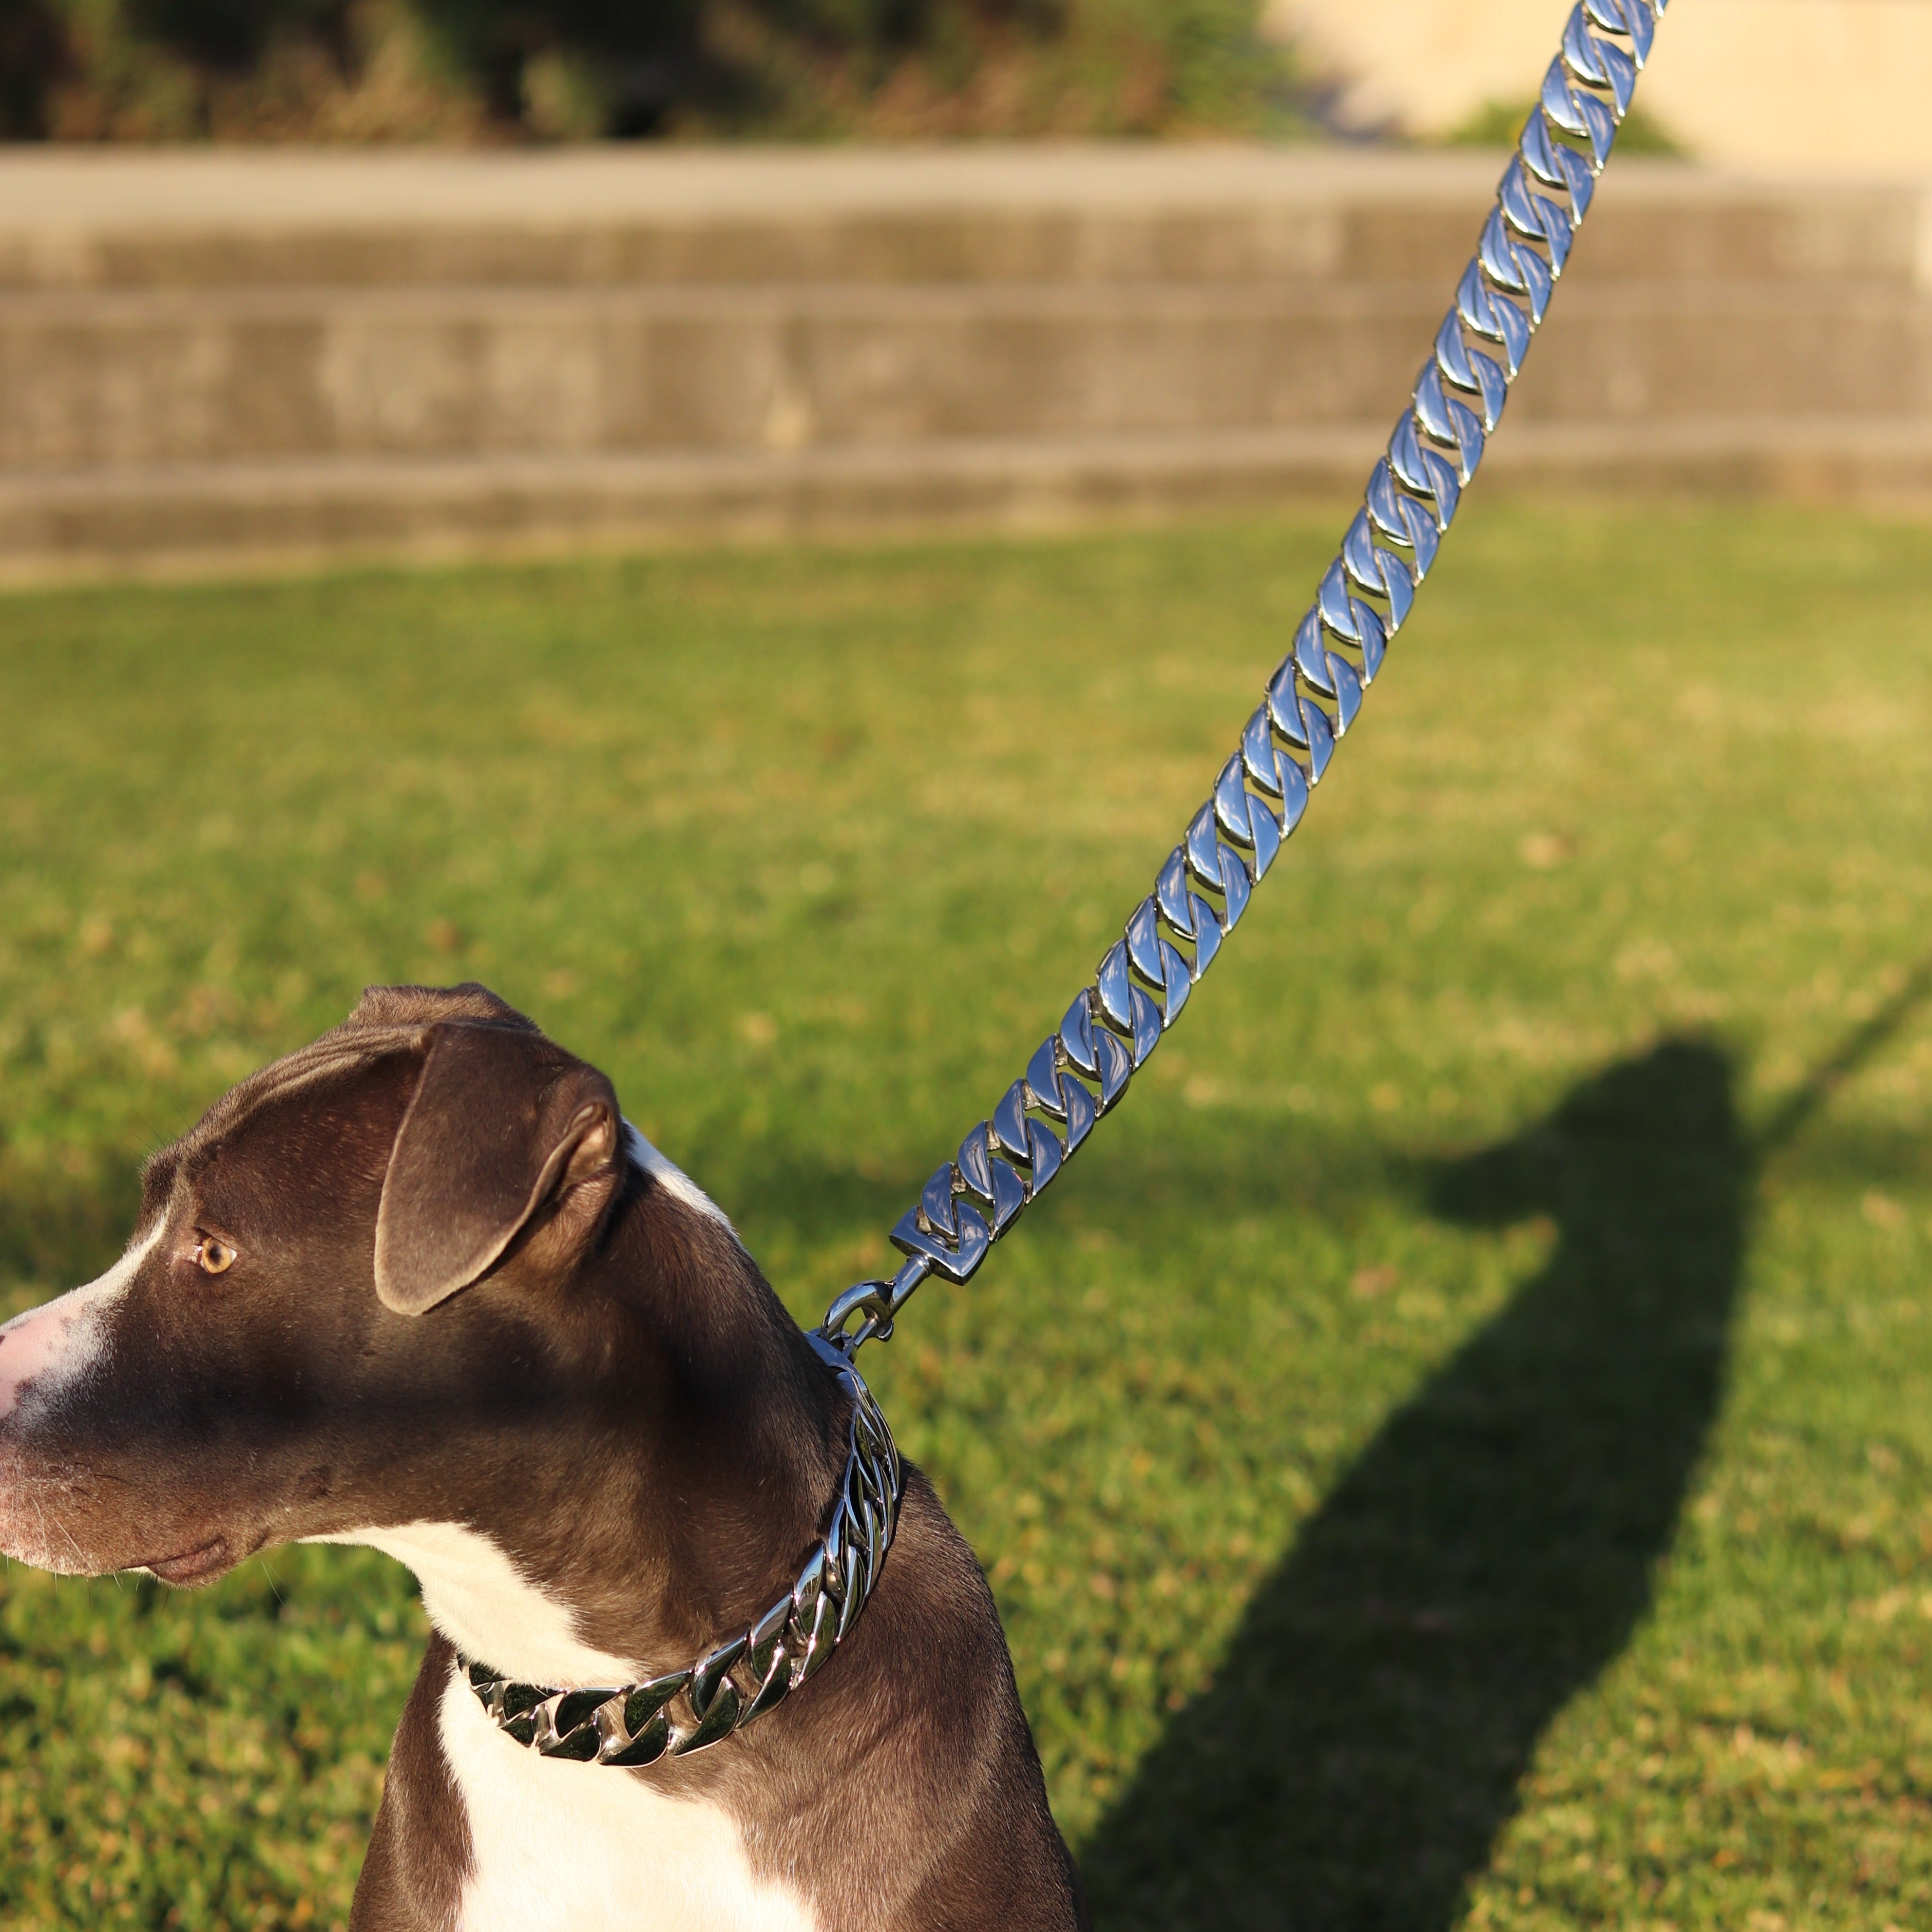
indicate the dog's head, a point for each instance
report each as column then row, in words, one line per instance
column 298, row 1323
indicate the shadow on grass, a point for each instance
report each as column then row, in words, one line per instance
column 1487, row 1558
column 1214, row 1173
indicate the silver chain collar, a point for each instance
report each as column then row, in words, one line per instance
column 1080, row 1072
column 685, row 1710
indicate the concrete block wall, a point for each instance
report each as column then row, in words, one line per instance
column 221, row 353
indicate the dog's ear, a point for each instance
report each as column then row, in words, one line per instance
column 502, row 1121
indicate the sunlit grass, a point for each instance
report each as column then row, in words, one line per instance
column 1257, row 1421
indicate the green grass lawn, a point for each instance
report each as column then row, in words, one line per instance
column 1457, row 1446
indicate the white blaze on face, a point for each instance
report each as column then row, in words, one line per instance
column 52, row 1347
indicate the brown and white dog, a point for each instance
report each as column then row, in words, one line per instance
column 419, row 1286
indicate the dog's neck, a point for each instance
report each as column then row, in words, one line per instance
column 630, row 1551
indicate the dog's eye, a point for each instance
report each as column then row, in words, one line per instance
column 213, row 1256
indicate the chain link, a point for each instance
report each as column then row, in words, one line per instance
column 1080, row 1072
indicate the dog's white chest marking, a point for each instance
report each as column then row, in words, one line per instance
column 493, row 1613
column 561, row 1847
column 578, row 1847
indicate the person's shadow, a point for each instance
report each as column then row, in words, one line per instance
column 1486, row 1559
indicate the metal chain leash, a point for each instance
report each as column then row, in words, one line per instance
column 1079, row 1072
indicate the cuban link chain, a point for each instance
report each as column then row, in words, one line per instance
column 1079, row 1072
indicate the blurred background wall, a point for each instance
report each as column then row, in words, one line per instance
column 310, row 276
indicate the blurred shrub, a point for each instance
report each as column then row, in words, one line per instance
column 495, row 70
column 33, row 52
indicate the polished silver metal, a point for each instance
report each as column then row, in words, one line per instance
column 1141, row 987
column 1364, row 598
column 690, row 1710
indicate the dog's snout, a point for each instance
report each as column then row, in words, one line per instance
column 47, row 1345
column 55, row 1343
column 28, row 1346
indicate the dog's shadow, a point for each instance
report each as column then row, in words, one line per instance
column 1486, row 1559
